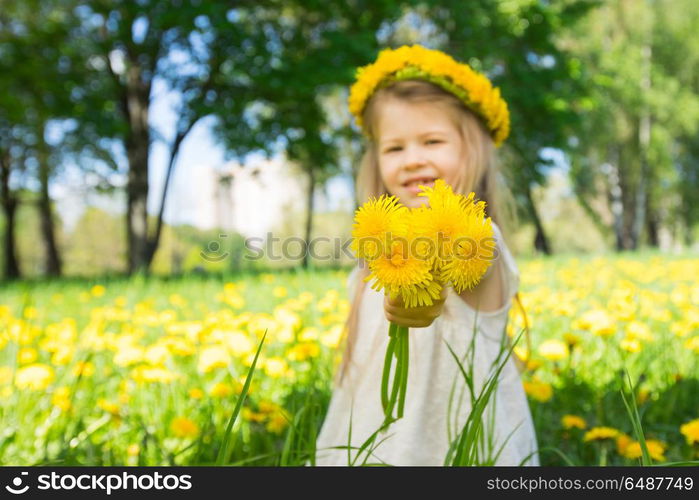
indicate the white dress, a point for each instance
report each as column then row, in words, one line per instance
column 422, row 436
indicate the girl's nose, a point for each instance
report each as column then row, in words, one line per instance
column 414, row 157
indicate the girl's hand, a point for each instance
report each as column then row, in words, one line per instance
column 413, row 317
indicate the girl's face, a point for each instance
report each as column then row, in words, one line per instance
column 417, row 143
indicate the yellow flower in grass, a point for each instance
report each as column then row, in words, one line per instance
column 303, row 351
column 538, row 390
column 61, row 398
column 597, row 321
column 553, row 350
column 622, row 443
column 27, row 355
column 213, row 357
column 35, row 377
column 221, row 390
column 275, row 367
column 656, row 450
column 571, row 340
column 83, row 369
column 277, row 423
column 184, row 428
column 108, row 406
column 373, row 221
column 573, row 421
column 253, row 416
column 600, row 434
column 630, row 345
column 690, row 431
column 195, row 393
column 693, row 344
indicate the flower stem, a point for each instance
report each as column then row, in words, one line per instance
column 387, row 370
column 403, row 335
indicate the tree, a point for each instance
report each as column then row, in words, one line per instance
column 515, row 44
column 310, row 49
column 645, row 107
column 130, row 48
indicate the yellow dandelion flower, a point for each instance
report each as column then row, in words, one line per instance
column 656, row 450
column 98, row 290
column 690, row 431
column 622, row 443
column 538, row 390
column 27, row 355
column 601, row 323
column 532, row 364
column 571, row 340
column 275, row 367
column 303, row 351
column 553, row 350
column 630, row 345
column 693, row 344
column 213, row 357
column 195, row 393
column 639, row 331
column 184, row 428
column 373, row 222
column 83, row 369
column 400, row 273
column 108, row 406
column 238, row 343
column 61, row 398
column 221, row 390
column 600, row 434
column 277, row 423
column 573, row 421
column 34, row 377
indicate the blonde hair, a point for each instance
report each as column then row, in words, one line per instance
column 480, row 173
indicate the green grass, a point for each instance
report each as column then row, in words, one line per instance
column 64, row 322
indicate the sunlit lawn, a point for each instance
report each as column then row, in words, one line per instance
column 148, row 371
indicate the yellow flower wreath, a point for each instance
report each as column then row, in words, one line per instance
column 417, row 62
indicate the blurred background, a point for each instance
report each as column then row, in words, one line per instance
column 164, row 162
column 156, row 136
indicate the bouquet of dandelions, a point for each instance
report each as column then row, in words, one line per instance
column 415, row 252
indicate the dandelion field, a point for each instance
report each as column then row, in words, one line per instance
column 148, row 371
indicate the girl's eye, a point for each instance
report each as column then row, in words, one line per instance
column 395, row 148
column 433, row 141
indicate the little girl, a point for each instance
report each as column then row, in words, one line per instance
column 428, row 117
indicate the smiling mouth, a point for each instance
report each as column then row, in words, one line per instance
column 423, row 181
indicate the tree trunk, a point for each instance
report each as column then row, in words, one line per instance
column 137, row 148
column 644, row 131
column 615, row 195
column 652, row 226
column 541, row 242
column 9, row 208
column 53, row 259
column 174, row 151
column 309, row 217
